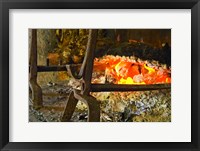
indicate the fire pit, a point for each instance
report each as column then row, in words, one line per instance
column 107, row 73
column 120, row 74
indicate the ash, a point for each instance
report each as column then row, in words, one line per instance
column 138, row 106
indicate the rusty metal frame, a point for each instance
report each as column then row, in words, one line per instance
column 85, row 75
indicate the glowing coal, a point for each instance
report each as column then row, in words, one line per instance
column 128, row 70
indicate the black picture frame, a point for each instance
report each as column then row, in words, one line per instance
column 5, row 5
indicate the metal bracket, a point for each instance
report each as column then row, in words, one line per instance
column 86, row 75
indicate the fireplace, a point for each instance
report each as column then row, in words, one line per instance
column 129, row 66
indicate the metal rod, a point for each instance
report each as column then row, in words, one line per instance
column 55, row 68
column 35, row 88
column 50, row 68
column 127, row 87
column 92, row 104
column 91, row 45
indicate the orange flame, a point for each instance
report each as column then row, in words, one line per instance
column 151, row 70
column 127, row 71
column 129, row 80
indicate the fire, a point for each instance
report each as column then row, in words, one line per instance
column 129, row 80
column 125, row 70
column 168, row 80
column 151, row 70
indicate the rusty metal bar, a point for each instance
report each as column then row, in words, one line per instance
column 35, row 88
column 50, row 68
column 127, row 87
column 55, row 68
column 91, row 45
column 92, row 104
column 69, row 108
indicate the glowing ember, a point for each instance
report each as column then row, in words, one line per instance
column 151, row 70
column 129, row 80
column 125, row 70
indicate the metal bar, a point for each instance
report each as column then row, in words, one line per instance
column 92, row 104
column 55, row 68
column 35, row 88
column 126, row 87
column 89, row 57
column 69, row 108
column 91, row 44
column 51, row 68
